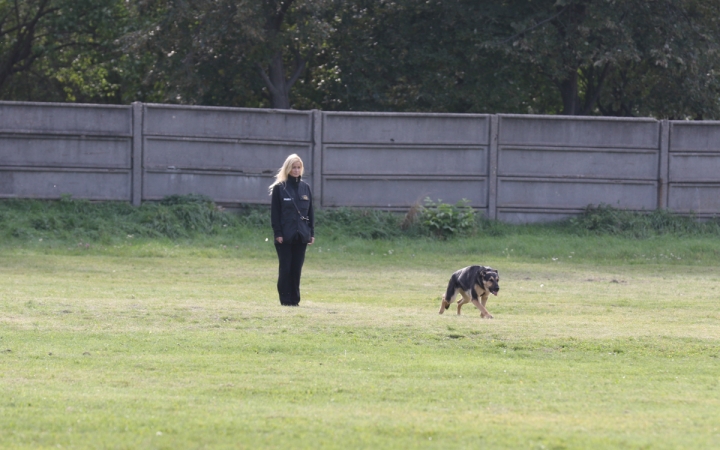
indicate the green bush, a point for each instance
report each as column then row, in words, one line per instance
column 254, row 216
column 445, row 220
column 362, row 223
column 606, row 220
column 68, row 219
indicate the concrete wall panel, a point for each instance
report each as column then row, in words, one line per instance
column 695, row 198
column 250, row 157
column 698, row 167
column 694, row 168
column 578, row 163
column 398, row 160
column 196, row 121
column 222, row 187
column 390, row 160
column 695, row 136
column 82, row 184
column 530, row 216
column 553, row 166
column 51, row 149
column 566, row 194
column 63, row 118
column 65, row 151
column 389, row 128
column 571, row 131
column 401, row 192
column 228, row 154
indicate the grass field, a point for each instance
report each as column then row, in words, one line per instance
column 596, row 343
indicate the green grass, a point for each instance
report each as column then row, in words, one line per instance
column 597, row 342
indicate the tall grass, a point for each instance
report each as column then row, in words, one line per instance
column 606, row 220
column 69, row 220
column 196, row 217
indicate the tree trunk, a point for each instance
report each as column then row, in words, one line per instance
column 594, row 83
column 276, row 83
column 20, row 56
column 279, row 87
column 570, row 96
column 280, row 93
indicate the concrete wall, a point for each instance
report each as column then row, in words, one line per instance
column 694, row 168
column 516, row 168
column 49, row 149
column 228, row 154
column 550, row 167
column 395, row 160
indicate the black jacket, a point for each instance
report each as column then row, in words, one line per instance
column 291, row 202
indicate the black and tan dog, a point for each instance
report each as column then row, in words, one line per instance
column 474, row 284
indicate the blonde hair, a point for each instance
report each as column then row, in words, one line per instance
column 284, row 171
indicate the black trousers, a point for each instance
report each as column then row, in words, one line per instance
column 292, row 257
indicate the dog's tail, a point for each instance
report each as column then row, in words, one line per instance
column 450, row 292
column 448, row 296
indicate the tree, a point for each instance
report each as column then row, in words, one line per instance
column 608, row 56
column 226, row 52
column 410, row 55
column 50, row 49
column 611, row 57
column 275, row 78
column 677, row 76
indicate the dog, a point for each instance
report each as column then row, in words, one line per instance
column 474, row 284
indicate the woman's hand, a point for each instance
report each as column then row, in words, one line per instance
column 312, row 240
column 279, row 239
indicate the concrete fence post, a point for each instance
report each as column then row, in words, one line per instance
column 137, row 147
column 317, row 150
column 493, row 167
column 664, row 165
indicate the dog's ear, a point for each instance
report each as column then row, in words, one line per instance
column 484, row 272
column 489, row 273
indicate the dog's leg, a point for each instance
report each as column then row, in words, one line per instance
column 483, row 302
column 447, row 301
column 483, row 297
column 484, row 313
column 465, row 299
column 450, row 294
column 444, row 304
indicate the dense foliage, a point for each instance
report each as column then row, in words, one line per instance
column 445, row 220
column 656, row 58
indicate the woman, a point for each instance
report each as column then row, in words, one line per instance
column 293, row 225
